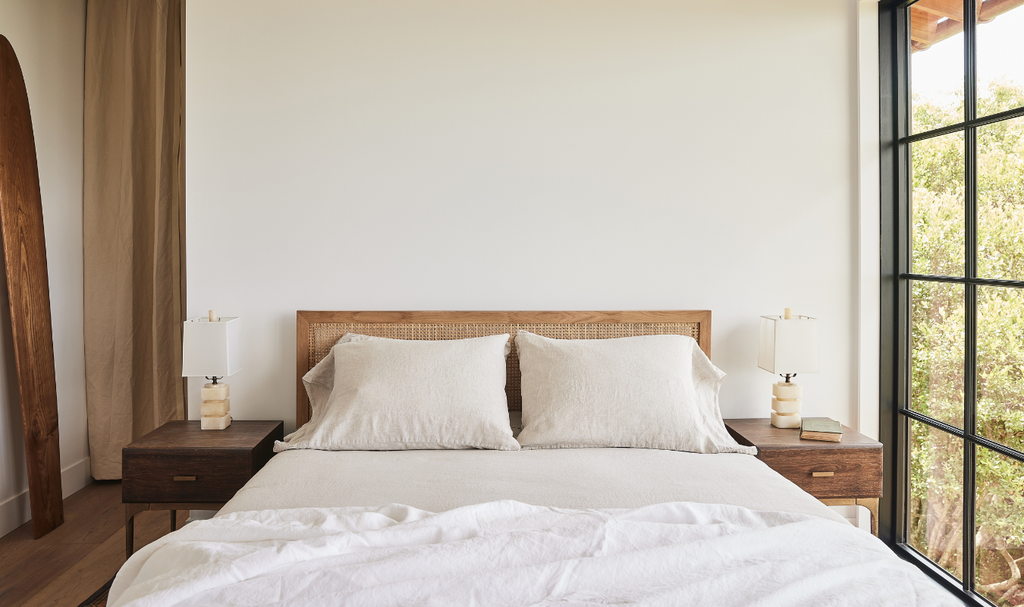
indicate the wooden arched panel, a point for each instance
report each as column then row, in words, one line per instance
column 21, row 225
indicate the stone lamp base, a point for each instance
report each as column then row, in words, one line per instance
column 786, row 405
column 215, row 408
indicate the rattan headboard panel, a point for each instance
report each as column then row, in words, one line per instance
column 317, row 332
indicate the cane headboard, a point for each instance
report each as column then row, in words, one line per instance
column 317, row 332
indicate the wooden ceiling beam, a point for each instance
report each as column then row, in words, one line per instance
column 933, row 21
column 950, row 9
column 923, row 26
column 990, row 9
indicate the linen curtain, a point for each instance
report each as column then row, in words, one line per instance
column 133, row 222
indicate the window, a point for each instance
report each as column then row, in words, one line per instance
column 952, row 83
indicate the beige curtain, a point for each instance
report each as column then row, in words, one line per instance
column 133, row 222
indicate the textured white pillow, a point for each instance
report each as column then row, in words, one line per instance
column 387, row 394
column 319, row 381
column 654, row 392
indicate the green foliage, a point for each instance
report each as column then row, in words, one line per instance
column 938, row 334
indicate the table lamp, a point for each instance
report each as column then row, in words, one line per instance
column 788, row 345
column 210, row 349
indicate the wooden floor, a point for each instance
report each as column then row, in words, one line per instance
column 70, row 563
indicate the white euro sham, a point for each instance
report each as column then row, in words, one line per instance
column 392, row 394
column 652, row 391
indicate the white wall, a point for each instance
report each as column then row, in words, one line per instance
column 869, row 236
column 544, row 154
column 49, row 38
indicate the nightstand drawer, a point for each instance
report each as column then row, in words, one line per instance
column 184, row 475
column 830, row 473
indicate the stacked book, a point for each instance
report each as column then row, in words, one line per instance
column 821, row 428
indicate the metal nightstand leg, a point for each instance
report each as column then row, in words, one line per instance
column 130, row 510
column 871, row 503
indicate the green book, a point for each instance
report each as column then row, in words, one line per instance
column 821, row 428
column 820, row 424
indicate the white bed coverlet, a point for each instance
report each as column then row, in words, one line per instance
column 510, row 553
column 440, row 480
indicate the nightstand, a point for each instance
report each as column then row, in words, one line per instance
column 848, row 473
column 178, row 466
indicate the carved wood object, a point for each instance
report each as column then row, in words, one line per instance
column 21, row 225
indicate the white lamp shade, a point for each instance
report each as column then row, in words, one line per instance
column 788, row 345
column 211, row 349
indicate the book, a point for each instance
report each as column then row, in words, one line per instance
column 821, row 428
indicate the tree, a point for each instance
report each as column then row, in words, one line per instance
column 937, row 343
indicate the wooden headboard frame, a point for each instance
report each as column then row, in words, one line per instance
column 317, row 332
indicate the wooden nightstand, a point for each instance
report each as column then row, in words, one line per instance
column 838, row 474
column 180, row 467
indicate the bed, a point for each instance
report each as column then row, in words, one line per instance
column 575, row 526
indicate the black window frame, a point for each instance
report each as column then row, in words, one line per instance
column 894, row 397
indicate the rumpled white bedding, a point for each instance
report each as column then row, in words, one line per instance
column 510, row 553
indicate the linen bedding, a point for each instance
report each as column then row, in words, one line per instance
column 583, row 527
column 510, row 553
column 439, row 480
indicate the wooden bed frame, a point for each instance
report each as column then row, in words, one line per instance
column 317, row 332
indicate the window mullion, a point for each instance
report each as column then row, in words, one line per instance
column 971, row 290
column 970, row 392
column 902, row 248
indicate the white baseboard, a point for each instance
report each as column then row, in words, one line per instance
column 15, row 511
column 75, row 477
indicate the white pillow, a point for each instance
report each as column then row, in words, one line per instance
column 654, row 392
column 388, row 394
column 319, row 381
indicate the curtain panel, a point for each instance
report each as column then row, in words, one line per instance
column 133, row 222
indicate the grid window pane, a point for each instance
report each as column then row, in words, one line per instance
column 937, row 206
column 1000, row 44
column 1001, row 199
column 965, row 224
column 935, row 517
column 937, row 351
column 936, row 63
column 999, row 539
column 1000, row 366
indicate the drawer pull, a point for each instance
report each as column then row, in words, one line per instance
column 184, row 478
column 818, row 474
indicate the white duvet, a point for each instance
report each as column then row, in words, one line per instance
column 510, row 553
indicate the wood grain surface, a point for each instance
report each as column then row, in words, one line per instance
column 21, row 224
column 68, row 565
column 209, row 475
column 855, row 463
column 762, row 434
column 855, row 472
column 241, row 434
column 211, row 464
